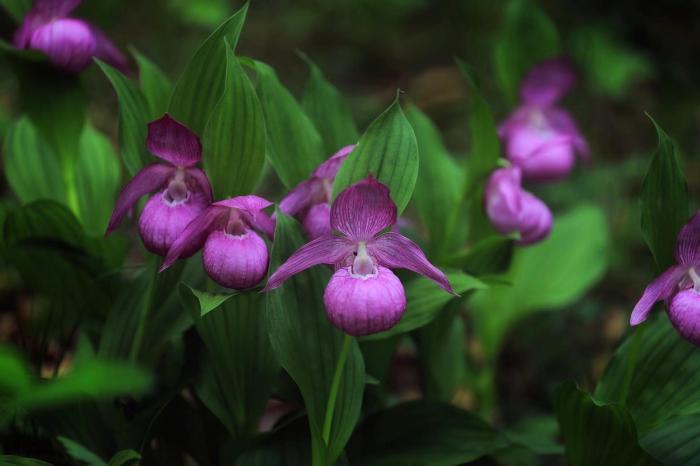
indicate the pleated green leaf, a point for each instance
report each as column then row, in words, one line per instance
column 241, row 366
column 664, row 201
column 328, row 110
column 155, row 85
column 307, row 346
column 12, row 460
column 294, row 146
column 80, row 453
column 597, row 434
column 133, row 120
column 31, row 167
column 676, row 442
column 96, row 180
column 234, row 139
column 202, row 83
column 16, row 8
column 389, row 151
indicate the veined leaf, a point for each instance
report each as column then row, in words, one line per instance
column 31, row 167
column 12, row 460
column 234, row 139
column 328, row 110
column 133, row 120
column 155, row 85
column 307, row 346
column 389, row 151
column 80, row 453
column 676, row 442
column 664, row 201
column 202, row 83
column 294, row 146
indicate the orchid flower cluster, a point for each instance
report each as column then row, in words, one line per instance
column 541, row 142
column 181, row 217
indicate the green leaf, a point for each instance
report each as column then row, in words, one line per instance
column 17, row 8
column 657, row 377
column 328, row 110
column 31, row 167
column 234, row 139
column 124, row 457
column 307, row 346
column 294, row 146
column 549, row 275
column 97, row 180
column 527, row 36
column 202, row 83
column 491, row 255
column 676, row 442
column 12, row 460
column 420, row 432
column 664, row 200
column 133, row 120
column 15, row 377
column 80, row 453
column 425, row 300
column 439, row 185
column 155, row 85
column 597, row 434
column 241, row 365
column 389, row 151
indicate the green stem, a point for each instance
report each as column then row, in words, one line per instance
column 335, row 386
column 145, row 311
column 632, row 362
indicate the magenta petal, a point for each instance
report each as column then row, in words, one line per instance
column 552, row 160
column 362, row 305
column 396, row 251
column 201, row 181
column 235, row 261
column 251, row 206
column 151, row 178
column 172, row 141
column 363, row 210
column 548, row 82
column 661, row 288
column 684, row 314
column 195, row 234
column 535, row 219
column 327, row 250
column 688, row 243
column 299, row 197
column 330, row 167
column 106, row 51
column 317, row 221
column 55, row 8
column 68, row 43
column 503, row 199
column 562, row 122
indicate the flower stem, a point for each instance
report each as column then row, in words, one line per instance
column 145, row 311
column 335, row 386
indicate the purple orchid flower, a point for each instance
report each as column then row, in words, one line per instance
column 234, row 256
column 69, row 43
column 182, row 190
column 512, row 209
column 363, row 295
column 679, row 286
column 309, row 201
column 539, row 137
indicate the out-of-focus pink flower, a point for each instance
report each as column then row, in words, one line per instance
column 69, row 43
column 512, row 209
column 363, row 296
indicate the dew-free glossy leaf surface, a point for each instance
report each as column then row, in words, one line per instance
column 155, row 85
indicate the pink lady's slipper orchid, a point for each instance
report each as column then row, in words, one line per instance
column 234, row 256
column 310, row 200
column 363, row 295
column 69, row 43
column 539, row 137
column 182, row 190
column 512, row 209
column 679, row 286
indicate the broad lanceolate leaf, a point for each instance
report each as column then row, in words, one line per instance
column 31, row 167
column 79, row 453
column 527, row 37
column 597, row 434
column 12, row 460
column 328, row 110
column 234, row 139
column 491, row 255
column 549, row 275
column 439, row 186
column 155, row 85
column 389, row 151
column 294, row 146
column 425, row 300
column 133, row 120
column 664, row 201
column 307, row 346
column 421, row 432
column 241, row 365
column 676, row 442
column 656, row 377
column 16, row 8
column 202, row 83
column 96, row 180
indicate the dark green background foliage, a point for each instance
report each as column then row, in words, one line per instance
column 103, row 361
